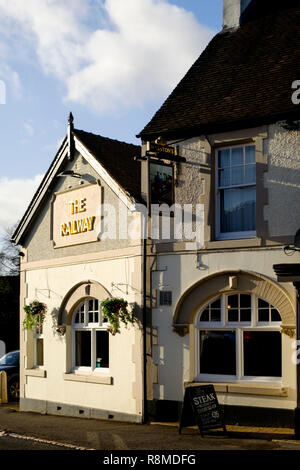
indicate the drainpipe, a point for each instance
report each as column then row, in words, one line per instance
column 145, row 307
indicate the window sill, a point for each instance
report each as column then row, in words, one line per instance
column 233, row 243
column 36, row 372
column 89, row 378
column 246, row 389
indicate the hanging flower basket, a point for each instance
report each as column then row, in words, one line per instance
column 116, row 311
column 35, row 315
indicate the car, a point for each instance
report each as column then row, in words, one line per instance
column 10, row 363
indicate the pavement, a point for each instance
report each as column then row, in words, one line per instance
column 24, row 430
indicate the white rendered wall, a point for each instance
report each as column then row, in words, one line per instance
column 121, row 277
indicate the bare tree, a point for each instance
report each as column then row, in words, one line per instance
column 9, row 254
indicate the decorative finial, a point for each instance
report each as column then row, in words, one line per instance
column 71, row 145
column 71, row 119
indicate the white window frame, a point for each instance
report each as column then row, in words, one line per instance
column 239, row 328
column 230, row 235
column 93, row 327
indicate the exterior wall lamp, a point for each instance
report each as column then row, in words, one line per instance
column 290, row 250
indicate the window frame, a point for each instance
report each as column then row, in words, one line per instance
column 38, row 334
column 231, row 235
column 239, row 328
column 93, row 327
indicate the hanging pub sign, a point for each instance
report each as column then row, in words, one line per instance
column 163, row 152
column 76, row 215
column 159, row 148
column 201, row 407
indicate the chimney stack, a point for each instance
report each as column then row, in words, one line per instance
column 232, row 11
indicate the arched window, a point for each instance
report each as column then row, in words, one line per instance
column 239, row 339
column 90, row 337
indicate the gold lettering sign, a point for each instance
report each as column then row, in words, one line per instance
column 76, row 216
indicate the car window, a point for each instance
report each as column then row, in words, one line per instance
column 10, row 359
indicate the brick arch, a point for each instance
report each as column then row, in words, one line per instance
column 75, row 295
column 232, row 281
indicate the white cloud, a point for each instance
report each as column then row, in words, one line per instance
column 28, row 128
column 110, row 53
column 15, row 196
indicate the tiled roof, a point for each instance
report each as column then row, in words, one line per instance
column 117, row 159
column 243, row 78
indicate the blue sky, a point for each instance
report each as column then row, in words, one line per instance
column 111, row 62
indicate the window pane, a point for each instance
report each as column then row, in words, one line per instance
column 237, row 175
column 216, row 304
column 102, row 349
column 224, row 177
column 262, row 353
column 262, row 304
column 238, row 209
column 233, row 301
column 224, row 158
column 39, row 352
column 250, row 174
column 263, row 315
column 275, row 315
column 83, row 348
column 250, row 154
column 237, row 156
column 245, row 315
column 217, row 352
column 205, row 315
column 245, row 301
column 215, row 315
column 91, row 305
column 233, row 314
column 91, row 317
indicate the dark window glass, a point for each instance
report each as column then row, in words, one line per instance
column 216, row 304
column 262, row 353
column 233, row 315
column 205, row 315
column 217, row 352
column 245, row 301
column 233, row 301
column 263, row 315
column 83, row 348
column 275, row 315
column 102, row 349
column 262, row 304
column 215, row 315
column 245, row 315
column 91, row 317
column 39, row 352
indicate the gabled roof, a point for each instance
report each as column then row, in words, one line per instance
column 114, row 159
column 117, row 158
column 242, row 79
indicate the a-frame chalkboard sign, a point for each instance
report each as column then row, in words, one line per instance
column 201, row 407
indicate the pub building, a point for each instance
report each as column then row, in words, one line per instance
column 212, row 312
